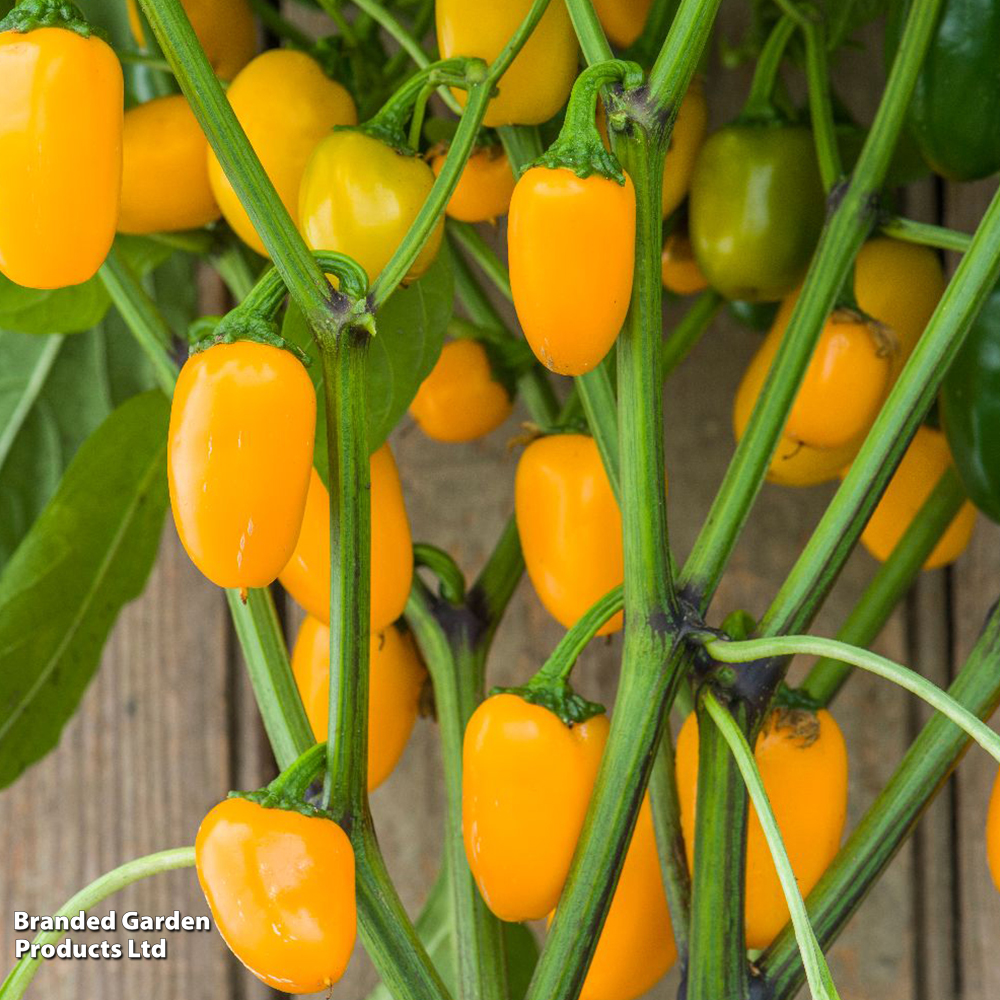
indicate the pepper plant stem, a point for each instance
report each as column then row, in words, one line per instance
column 892, row 817
column 302, row 275
column 344, row 366
column 456, row 666
column 141, row 316
column 926, row 234
column 851, row 220
column 890, row 583
column 106, row 885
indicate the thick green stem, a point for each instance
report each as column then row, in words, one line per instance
column 274, row 687
column 842, row 236
column 456, row 665
column 666, row 810
column 831, row 543
column 302, row 275
column 20, row 976
column 890, row 583
column 817, row 972
column 344, row 365
column 142, row 317
column 717, row 967
column 593, row 42
column 890, row 820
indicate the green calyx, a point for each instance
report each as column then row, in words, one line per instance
column 31, row 15
column 289, row 789
column 794, row 699
column 242, row 324
column 579, row 146
column 558, row 697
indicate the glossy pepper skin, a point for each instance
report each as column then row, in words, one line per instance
column 360, row 196
column 971, row 408
column 678, row 268
column 61, row 110
column 395, row 681
column 484, row 188
column 225, row 28
column 538, row 81
column 240, row 448
column 622, row 20
column 993, row 833
column 956, row 100
column 756, row 209
column 571, row 302
column 164, row 174
column 636, row 948
column 281, row 889
column 306, row 575
column 570, row 526
column 803, row 762
column 922, row 465
column 461, row 400
column 843, row 389
column 286, row 105
column 899, row 284
column 527, row 778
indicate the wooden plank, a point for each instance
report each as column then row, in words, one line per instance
column 139, row 765
column 976, row 588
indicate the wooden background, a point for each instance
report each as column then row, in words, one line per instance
column 169, row 726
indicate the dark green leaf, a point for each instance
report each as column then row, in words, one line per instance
column 411, row 327
column 86, row 556
column 79, row 307
column 54, row 392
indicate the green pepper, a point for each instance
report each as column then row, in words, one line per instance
column 971, row 409
column 756, row 209
column 955, row 111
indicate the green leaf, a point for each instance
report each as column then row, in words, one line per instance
column 87, row 556
column 79, row 307
column 411, row 327
column 435, row 930
column 54, row 392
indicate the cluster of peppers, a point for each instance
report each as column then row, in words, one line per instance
column 744, row 208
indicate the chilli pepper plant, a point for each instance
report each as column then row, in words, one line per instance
column 345, row 189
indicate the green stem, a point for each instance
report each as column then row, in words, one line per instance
column 666, row 810
column 759, row 106
column 599, row 405
column 689, row 331
column 750, row 650
column 925, row 234
column 522, row 144
column 141, row 316
column 593, row 42
column 457, row 670
column 344, row 27
column 841, row 238
column 344, row 380
column 890, row 583
column 811, row 23
column 678, row 58
column 496, row 583
column 444, row 568
column 717, row 966
column 141, row 59
column 471, row 241
column 274, row 687
column 407, row 43
column 831, row 543
column 817, row 972
column 881, row 832
column 560, row 663
column 302, row 275
column 106, row 885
